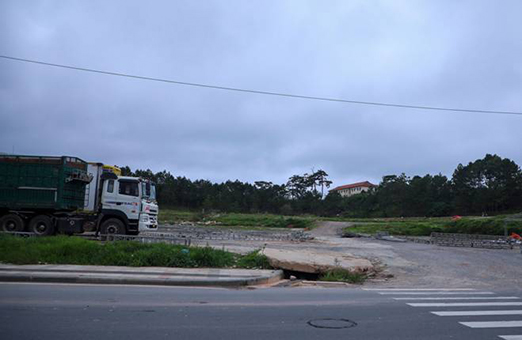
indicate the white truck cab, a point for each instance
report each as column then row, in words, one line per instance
column 149, row 207
column 127, row 205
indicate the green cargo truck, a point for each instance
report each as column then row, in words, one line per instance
column 45, row 195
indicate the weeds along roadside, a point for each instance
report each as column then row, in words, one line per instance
column 172, row 216
column 424, row 227
column 79, row 251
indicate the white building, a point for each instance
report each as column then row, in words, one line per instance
column 353, row 189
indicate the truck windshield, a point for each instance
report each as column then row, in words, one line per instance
column 149, row 190
column 153, row 191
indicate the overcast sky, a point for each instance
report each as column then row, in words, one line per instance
column 465, row 54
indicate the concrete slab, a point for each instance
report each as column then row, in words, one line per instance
column 314, row 261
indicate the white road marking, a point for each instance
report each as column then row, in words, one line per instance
column 461, row 298
column 478, row 313
column 419, row 289
column 465, row 304
column 440, row 293
column 492, row 324
column 444, row 294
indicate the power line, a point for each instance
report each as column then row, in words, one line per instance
column 279, row 94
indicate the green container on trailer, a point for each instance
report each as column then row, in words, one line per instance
column 41, row 182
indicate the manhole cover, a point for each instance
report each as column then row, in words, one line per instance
column 332, row 323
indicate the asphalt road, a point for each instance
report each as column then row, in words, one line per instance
column 60, row 311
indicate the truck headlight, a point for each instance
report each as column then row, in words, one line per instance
column 144, row 218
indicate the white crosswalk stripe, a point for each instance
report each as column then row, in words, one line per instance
column 460, row 297
column 465, row 304
column 437, row 293
column 492, row 324
column 478, row 312
column 418, row 289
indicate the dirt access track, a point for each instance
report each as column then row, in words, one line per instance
column 427, row 265
column 408, row 264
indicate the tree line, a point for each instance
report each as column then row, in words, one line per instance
column 490, row 186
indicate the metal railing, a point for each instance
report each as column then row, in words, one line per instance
column 147, row 239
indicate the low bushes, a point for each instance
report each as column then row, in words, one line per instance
column 254, row 260
column 177, row 216
column 341, row 275
column 405, row 228
column 263, row 220
column 472, row 225
column 486, row 226
column 75, row 250
column 236, row 219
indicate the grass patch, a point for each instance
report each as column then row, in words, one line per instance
column 387, row 219
column 485, row 226
column 341, row 275
column 405, row 228
column 236, row 219
column 172, row 216
column 254, row 260
column 263, row 220
column 75, row 250
column 425, row 226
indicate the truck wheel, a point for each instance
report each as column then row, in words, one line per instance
column 11, row 223
column 112, row 226
column 41, row 225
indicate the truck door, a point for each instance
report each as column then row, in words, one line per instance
column 109, row 195
column 128, row 198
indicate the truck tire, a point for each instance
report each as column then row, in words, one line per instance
column 41, row 225
column 11, row 223
column 112, row 226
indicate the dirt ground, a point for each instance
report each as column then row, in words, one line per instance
column 410, row 264
column 414, row 264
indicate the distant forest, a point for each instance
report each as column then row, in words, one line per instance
column 491, row 185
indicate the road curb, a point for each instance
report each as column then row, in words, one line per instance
column 136, row 278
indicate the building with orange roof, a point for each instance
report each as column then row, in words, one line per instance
column 353, row 189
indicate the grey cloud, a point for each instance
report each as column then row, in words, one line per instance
column 445, row 53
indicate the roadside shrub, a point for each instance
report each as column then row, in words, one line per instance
column 290, row 222
column 209, row 257
column 341, row 275
column 75, row 250
column 486, row 226
column 177, row 216
column 254, row 260
column 264, row 220
column 404, row 228
column 477, row 225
